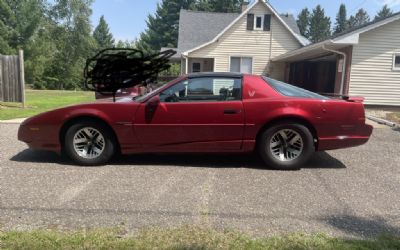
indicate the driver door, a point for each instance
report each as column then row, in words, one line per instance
column 195, row 115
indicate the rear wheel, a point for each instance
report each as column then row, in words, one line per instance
column 89, row 143
column 286, row 146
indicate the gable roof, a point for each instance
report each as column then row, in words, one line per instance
column 346, row 38
column 199, row 29
column 290, row 20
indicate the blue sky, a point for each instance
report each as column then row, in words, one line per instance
column 127, row 17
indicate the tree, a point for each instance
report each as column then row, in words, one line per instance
column 359, row 19
column 202, row 5
column 303, row 21
column 102, row 34
column 6, row 31
column 320, row 25
column 384, row 12
column 126, row 44
column 74, row 41
column 341, row 20
column 227, row 6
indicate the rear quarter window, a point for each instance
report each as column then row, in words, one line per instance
column 292, row 91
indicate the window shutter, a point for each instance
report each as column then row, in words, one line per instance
column 250, row 21
column 267, row 22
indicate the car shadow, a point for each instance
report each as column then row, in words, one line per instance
column 397, row 129
column 320, row 160
column 361, row 226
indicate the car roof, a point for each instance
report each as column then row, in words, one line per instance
column 215, row 74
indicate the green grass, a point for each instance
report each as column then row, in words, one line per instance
column 38, row 101
column 183, row 238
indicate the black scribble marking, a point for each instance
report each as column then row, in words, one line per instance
column 114, row 69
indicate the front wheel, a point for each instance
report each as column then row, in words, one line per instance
column 89, row 143
column 286, row 146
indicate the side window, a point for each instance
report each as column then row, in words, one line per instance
column 207, row 89
column 259, row 22
column 175, row 93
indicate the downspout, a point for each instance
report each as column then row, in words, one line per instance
column 343, row 69
column 186, row 63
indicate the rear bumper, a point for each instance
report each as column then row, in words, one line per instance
column 361, row 137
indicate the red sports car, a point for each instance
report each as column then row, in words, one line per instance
column 207, row 112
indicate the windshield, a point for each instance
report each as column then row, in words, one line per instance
column 292, row 91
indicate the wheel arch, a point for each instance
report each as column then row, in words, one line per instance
column 79, row 118
column 296, row 119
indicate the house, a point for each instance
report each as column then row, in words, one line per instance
column 237, row 42
column 364, row 61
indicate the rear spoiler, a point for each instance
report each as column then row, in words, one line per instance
column 345, row 97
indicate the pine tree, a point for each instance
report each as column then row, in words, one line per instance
column 359, row 19
column 102, row 35
column 320, row 25
column 303, row 21
column 202, row 5
column 126, row 44
column 341, row 20
column 384, row 12
column 162, row 27
column 226, row 6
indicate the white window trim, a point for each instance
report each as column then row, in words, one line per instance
column 394, row 62
column 255, row 22
column 252, row 62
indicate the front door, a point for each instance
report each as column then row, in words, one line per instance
column 195, row 115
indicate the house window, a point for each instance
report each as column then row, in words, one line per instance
column 196, row 67
column 258, row 22
column 396, row 61
column 242, row 65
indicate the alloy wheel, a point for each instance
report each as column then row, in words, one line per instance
column 286, row 145
column 89, row 143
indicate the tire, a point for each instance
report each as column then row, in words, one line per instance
column 89, row 143
column 286, row 146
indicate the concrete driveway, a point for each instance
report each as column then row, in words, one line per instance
column 353, row 192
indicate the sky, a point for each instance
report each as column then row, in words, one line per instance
column 127, row 18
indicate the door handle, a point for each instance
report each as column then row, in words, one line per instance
column 232, row 111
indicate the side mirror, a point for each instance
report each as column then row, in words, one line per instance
column 155, row 100
column 152, row 103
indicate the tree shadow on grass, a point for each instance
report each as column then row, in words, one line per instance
column 362, row 227
column 320, row 160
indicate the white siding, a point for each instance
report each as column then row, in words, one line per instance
column 238, row 41
column 372, row 74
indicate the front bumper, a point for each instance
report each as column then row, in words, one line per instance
column 38, row 138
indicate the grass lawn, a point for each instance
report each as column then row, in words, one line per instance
column 183, row 238
column 38, row 101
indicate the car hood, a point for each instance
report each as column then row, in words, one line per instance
column 122, row 111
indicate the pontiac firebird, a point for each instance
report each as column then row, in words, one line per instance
column 203, row 113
